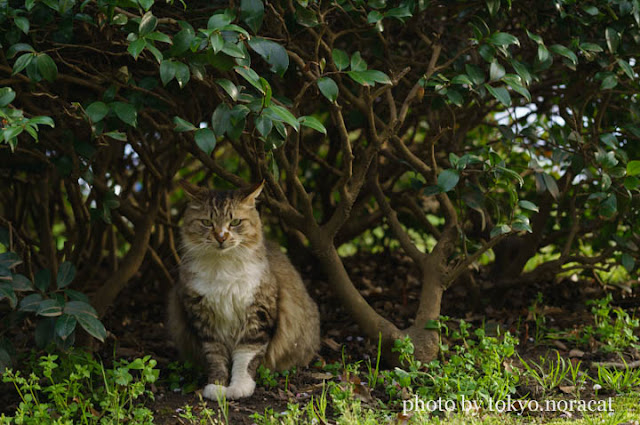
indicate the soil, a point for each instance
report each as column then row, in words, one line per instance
column 389, row 282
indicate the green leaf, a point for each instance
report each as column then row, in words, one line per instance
column 448, row 179
column 22, row 23
column 528, row 205
column 136, row 47
column 30, row 303
column 79, row 308
column 22, row 62
column 340, row 59
column 228, row 87
column 19, row 47
column 369, row 78
column 511, row 173
column 233, row 50
column 522, row 71
column 613, row 39
column 93, row 327
column 251, row 76
column 609, row 207
column 475, row 73
column 631, row 182
column 49, row 308
column 43, row 279
column 628, row 262
column 221, row 119
column 66, row 274
column 551, row 185
column 182, row 125
column 455, row 97
column 264, row 124
column 167, row 71
column 272, row 52
column 11, row 133
column 503, row 39
column 564, row 51
column 219, row 20
column 522, row 225
column 97, row 111
column 543, row 53
column 626, row 68
column 462, row 79
column 148, row 23
column 65, row 325
column 312, row 122
column 285, row 116
column 500, row 230
column 374, row 16
column 120, row 19
column 205, row 139
column 399, row 13
column 496, row 71
column 158, row 36
column 513, row 82
column 252, row 13
column 609, row 82
column 7, row 95
column 535, row 37
column 182, row 74
column 21, row 283
column 6, row 291
column 633, row 168
column 328, row 88
column 500, row 93
column 116, row 135
column 591, row 47
column 42, row 120
column 146, row 4
column 217, row 42
column 126, row 112
column 357, row 63
column 493, row 6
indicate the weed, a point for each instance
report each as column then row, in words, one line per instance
column 621, row 381
column 266, row 378
column 183, row 377
column 76, row 388
column 374, row 373
column 549, row 374
column 617, row 333
column 477, row 366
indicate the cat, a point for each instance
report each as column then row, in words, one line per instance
column 239, row 301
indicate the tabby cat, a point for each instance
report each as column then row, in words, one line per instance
column 239, row 302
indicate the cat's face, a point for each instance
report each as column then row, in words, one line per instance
column 221, row 221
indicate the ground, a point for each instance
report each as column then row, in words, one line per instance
column 389, row 283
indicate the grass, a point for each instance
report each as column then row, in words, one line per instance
column 478, row 378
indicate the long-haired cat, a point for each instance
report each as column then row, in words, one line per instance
column 239, row 302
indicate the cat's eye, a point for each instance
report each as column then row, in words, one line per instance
column 235, row 222
column 206, row 223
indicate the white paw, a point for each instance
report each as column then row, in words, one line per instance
column 214, row 392
column 241, row 389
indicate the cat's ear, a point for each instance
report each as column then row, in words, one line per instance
column 193, row 191
column 251, row 193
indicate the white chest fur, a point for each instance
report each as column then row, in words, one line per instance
column 228, row 284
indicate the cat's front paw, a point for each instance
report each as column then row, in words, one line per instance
column 241, row 389
column 214, row 392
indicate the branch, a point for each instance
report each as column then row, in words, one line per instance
column 392, row 217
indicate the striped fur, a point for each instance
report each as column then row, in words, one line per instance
column 240, row 302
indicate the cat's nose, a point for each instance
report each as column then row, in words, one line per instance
column 220, row 236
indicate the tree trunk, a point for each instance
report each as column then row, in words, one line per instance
column 372, row 324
